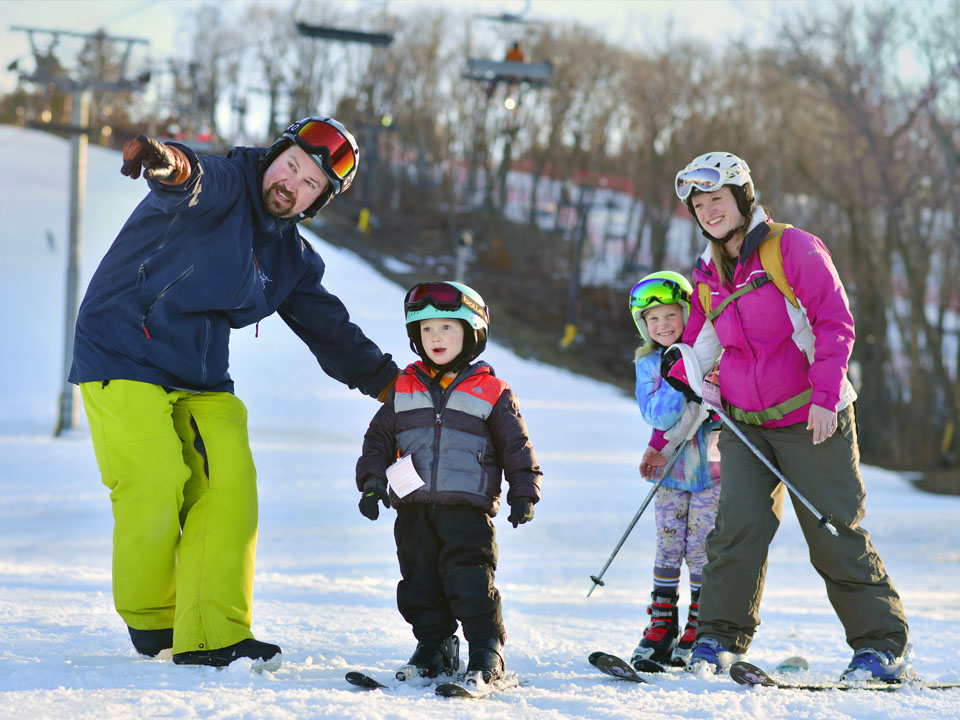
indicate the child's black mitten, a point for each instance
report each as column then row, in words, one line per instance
column 374, row 491
column 521, row 511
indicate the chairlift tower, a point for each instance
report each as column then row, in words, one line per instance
column 80, row 88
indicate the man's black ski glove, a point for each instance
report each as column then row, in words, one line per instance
column 374, row 491
column 159, row 162
column 670, row 358
column 521, row 511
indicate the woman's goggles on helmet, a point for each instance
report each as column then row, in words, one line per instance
column 656, row 291
column 706, row 179
column 442, row 296
column 318, row 137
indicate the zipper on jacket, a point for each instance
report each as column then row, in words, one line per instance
column 483, row 472
column 204, row 349
column 146, row 314
column 256, row 279
column 436, row 456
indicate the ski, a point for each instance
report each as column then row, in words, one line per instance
column 745, row 673
column 648, row 666
column 365, row 681
column 407, row 675
column 615, row 667
column 473, row 686
column 645, row 666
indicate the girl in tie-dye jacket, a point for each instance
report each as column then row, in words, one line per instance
column 685, row 504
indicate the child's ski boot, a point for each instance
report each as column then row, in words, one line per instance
column 431, row 659
column 486, row 661
column 661, row 634
column 681, row 653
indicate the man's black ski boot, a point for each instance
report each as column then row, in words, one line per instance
column 486, row 658
column 151, row 642
column 433, row 658
column 265, row 656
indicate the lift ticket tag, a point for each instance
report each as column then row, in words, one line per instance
column 403, row 478
column 710, row 391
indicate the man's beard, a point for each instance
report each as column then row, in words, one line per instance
column 274, row 207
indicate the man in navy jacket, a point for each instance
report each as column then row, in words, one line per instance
column 213, row 246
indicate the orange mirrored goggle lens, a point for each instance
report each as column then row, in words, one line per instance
column 318, row 136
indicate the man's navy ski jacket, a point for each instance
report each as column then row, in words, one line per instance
column 197, row 259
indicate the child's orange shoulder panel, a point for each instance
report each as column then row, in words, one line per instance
column 484, row 386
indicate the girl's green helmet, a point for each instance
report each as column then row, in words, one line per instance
column 659, row 288
column 444, row 299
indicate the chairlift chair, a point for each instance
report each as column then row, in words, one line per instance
column 533, row 74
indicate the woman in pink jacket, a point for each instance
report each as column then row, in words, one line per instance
column 783, row 381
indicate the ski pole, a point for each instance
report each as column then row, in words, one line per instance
column 666, row 468
column 824, row 519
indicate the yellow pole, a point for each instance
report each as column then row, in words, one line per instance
column 569, row 335
column 947, row 439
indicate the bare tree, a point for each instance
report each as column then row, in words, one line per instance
column 942, row 52
column 270, row 31
column 866, row 165
column 212, row 43
column 661, row 91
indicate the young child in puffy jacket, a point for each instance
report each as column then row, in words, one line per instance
column 685, row 504
column 444, row 438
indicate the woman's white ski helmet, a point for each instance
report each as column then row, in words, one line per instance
column 710, row 172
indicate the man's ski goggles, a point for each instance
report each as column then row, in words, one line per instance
column 442, row 296
column 706, row 179
column 321, row 138
column 656, row 291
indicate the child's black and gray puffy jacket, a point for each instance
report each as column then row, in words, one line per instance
column 462, row 439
